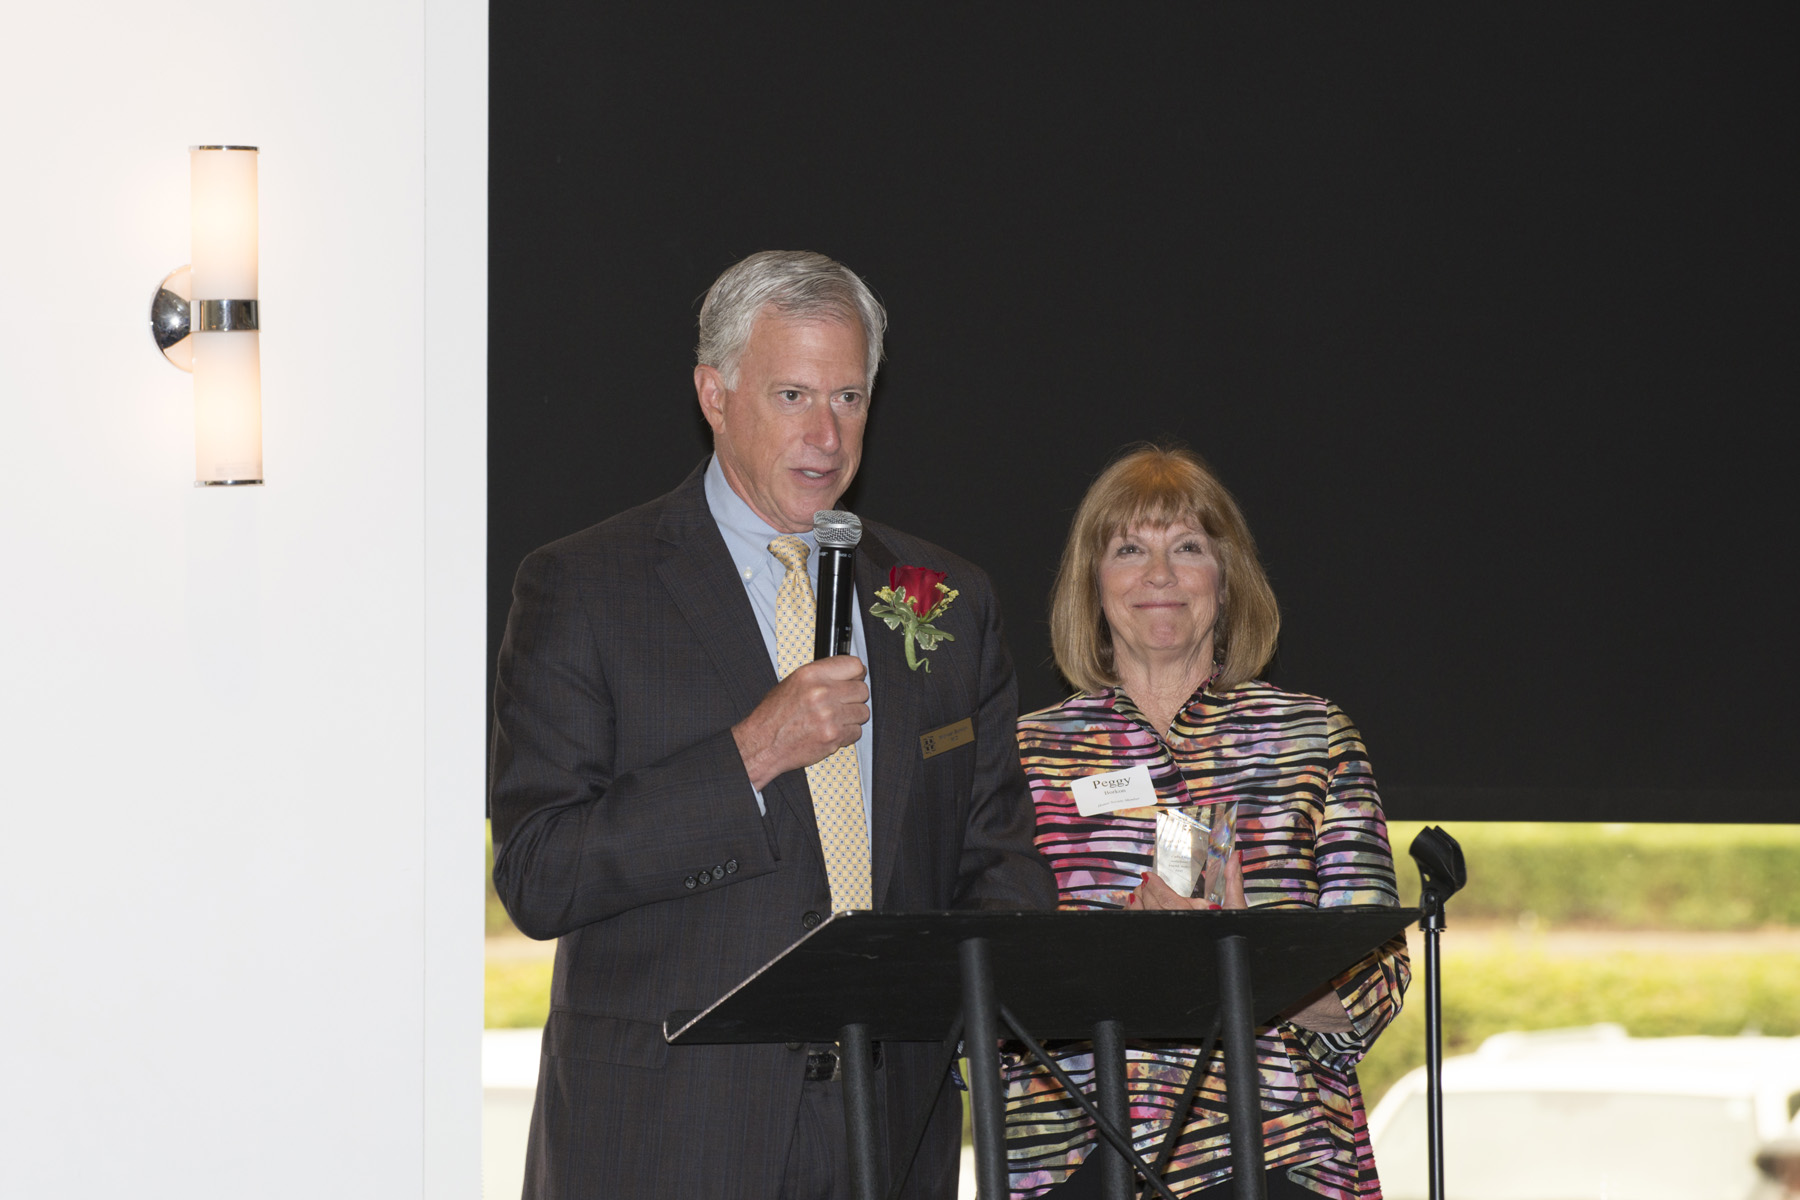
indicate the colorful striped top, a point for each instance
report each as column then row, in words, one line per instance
column 1310, row 833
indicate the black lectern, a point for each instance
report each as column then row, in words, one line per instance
column 865, row 977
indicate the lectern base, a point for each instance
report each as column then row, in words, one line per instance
column 1085, row 1185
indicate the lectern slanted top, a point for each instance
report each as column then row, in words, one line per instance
column 1057, row 972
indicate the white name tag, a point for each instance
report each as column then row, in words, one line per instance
column 1130, row 788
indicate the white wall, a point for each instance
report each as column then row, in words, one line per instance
column 241, row 728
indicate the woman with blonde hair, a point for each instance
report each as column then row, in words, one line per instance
column 1162, row 616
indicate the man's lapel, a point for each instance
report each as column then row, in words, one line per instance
column 896, row 723
column 702, row 583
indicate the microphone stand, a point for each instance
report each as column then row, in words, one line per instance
column 1441, row 875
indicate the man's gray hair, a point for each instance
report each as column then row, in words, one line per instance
column 797, row 284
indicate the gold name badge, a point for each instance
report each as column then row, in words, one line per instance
column 948, row 738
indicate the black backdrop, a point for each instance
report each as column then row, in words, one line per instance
column 1486, row 314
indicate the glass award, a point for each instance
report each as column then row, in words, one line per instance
column 1193, row 845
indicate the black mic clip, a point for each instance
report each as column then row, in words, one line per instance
column 1441, row 873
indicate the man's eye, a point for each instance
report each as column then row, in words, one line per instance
column 790, row 395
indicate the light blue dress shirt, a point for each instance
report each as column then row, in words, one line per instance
column 747, row 537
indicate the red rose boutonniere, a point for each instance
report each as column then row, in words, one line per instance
column 912, row 600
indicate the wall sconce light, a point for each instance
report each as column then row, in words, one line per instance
column 204, row 317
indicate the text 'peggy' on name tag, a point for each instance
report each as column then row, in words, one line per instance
column 1113, row 790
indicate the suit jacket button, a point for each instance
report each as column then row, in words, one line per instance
column 810, row 920
column 731, row 866
column 718, row 872
column 706, row 877
column 691, row 883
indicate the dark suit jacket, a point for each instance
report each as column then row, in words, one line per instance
column 625, row 825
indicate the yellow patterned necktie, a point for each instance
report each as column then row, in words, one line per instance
column 835, row 782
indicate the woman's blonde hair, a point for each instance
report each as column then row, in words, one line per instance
column 1157, row 486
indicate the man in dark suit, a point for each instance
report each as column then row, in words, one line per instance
column 659, row 783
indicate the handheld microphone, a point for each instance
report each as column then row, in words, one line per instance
column 838, row 533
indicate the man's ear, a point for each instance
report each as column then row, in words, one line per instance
column 709, row 386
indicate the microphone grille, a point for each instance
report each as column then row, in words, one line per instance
column 837, row 529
